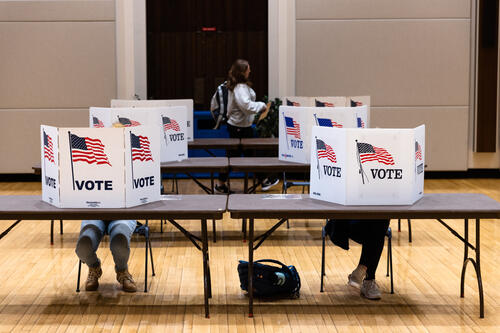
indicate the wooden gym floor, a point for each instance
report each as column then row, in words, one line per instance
column 37, row 280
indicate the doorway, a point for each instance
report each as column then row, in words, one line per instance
column 192, row 43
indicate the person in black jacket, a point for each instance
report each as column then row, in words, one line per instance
column 370, row 234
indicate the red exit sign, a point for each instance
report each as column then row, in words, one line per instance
column 208, row 29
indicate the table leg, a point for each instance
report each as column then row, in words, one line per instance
column 250, row 268
column 245, row 187
column 475, row 262
column 51, row 232
column 212, row 182
column 204, row 239
column 214, row 231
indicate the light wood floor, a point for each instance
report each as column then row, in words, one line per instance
column 37, row 280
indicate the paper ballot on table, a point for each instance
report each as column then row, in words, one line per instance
column 101, row 168
column 187, row 103
column 367, row 166
column 295, row 125
column 170, row 121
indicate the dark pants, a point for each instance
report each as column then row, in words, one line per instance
column 238, row 133
column 371, row 235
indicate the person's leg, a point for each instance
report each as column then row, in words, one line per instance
column 371, row 234
column 373, row 245
column 91, row 233
column 234, row 132
column 120, row 232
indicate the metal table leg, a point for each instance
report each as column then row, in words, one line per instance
column 204, row 238
column 475, row 262
column 250, row 268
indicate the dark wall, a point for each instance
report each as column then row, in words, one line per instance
column 192, row 43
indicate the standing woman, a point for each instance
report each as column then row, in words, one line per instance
column 242, row 109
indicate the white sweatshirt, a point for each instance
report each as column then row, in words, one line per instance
column 242, row 106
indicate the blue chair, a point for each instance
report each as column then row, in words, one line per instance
column 140, row 229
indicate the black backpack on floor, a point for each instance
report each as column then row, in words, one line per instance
column 271, row 281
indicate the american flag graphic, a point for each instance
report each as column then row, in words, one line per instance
column 418, row 151
column 325, row 122
column 324, row 104
column 48, row 153
column 354, row 103
column 140, row 148
column 292, row 127
column 361, row 123
column 367, row 153
column 291, row 103
column 325, row 151
column 127, row 122
column 97, row 123
column 88, row 150
column 169, row 123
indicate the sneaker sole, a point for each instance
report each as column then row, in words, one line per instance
column 353, row 283
column 371, row 298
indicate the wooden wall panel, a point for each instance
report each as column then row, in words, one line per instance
column 446, row 131
column 20, row 134
column 346, row 9
column 398, row 63
column 57, row 64
column 57, row 10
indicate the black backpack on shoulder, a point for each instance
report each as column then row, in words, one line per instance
column 219, row 104
column 271, row 281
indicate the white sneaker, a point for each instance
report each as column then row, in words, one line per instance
column 370, row 290
column 267, row 184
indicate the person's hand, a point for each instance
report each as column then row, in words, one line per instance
column 266, row 112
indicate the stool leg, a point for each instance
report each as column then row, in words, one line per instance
column 146, row 259
column 244, row 229
column 51, row 232
column 399, row 225
column 409, row 231
column 390, row 261
column 151, row 256
column 61, row 227
column 322, row 257
column 78, row 279
column 388, row 256
column 161, row 226
column 214, row 231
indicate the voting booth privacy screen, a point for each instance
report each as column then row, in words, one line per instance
column 187, row 103
column 170, row 122
column 367, row 166
column 295, row 125
column 100, row 168
column 335, row 101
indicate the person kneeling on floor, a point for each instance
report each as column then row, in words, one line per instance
column 371, row 235
column 120, row 232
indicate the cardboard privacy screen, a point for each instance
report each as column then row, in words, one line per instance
column 187, row 103
column 367, row 166
column 359, row 104
column 100, row 168
column 170, row 122
column 295, row 125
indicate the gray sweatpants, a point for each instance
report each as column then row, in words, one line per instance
column 91, row 233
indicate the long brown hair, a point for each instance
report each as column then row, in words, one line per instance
column 237, row 74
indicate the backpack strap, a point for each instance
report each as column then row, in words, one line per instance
column 283, row 266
